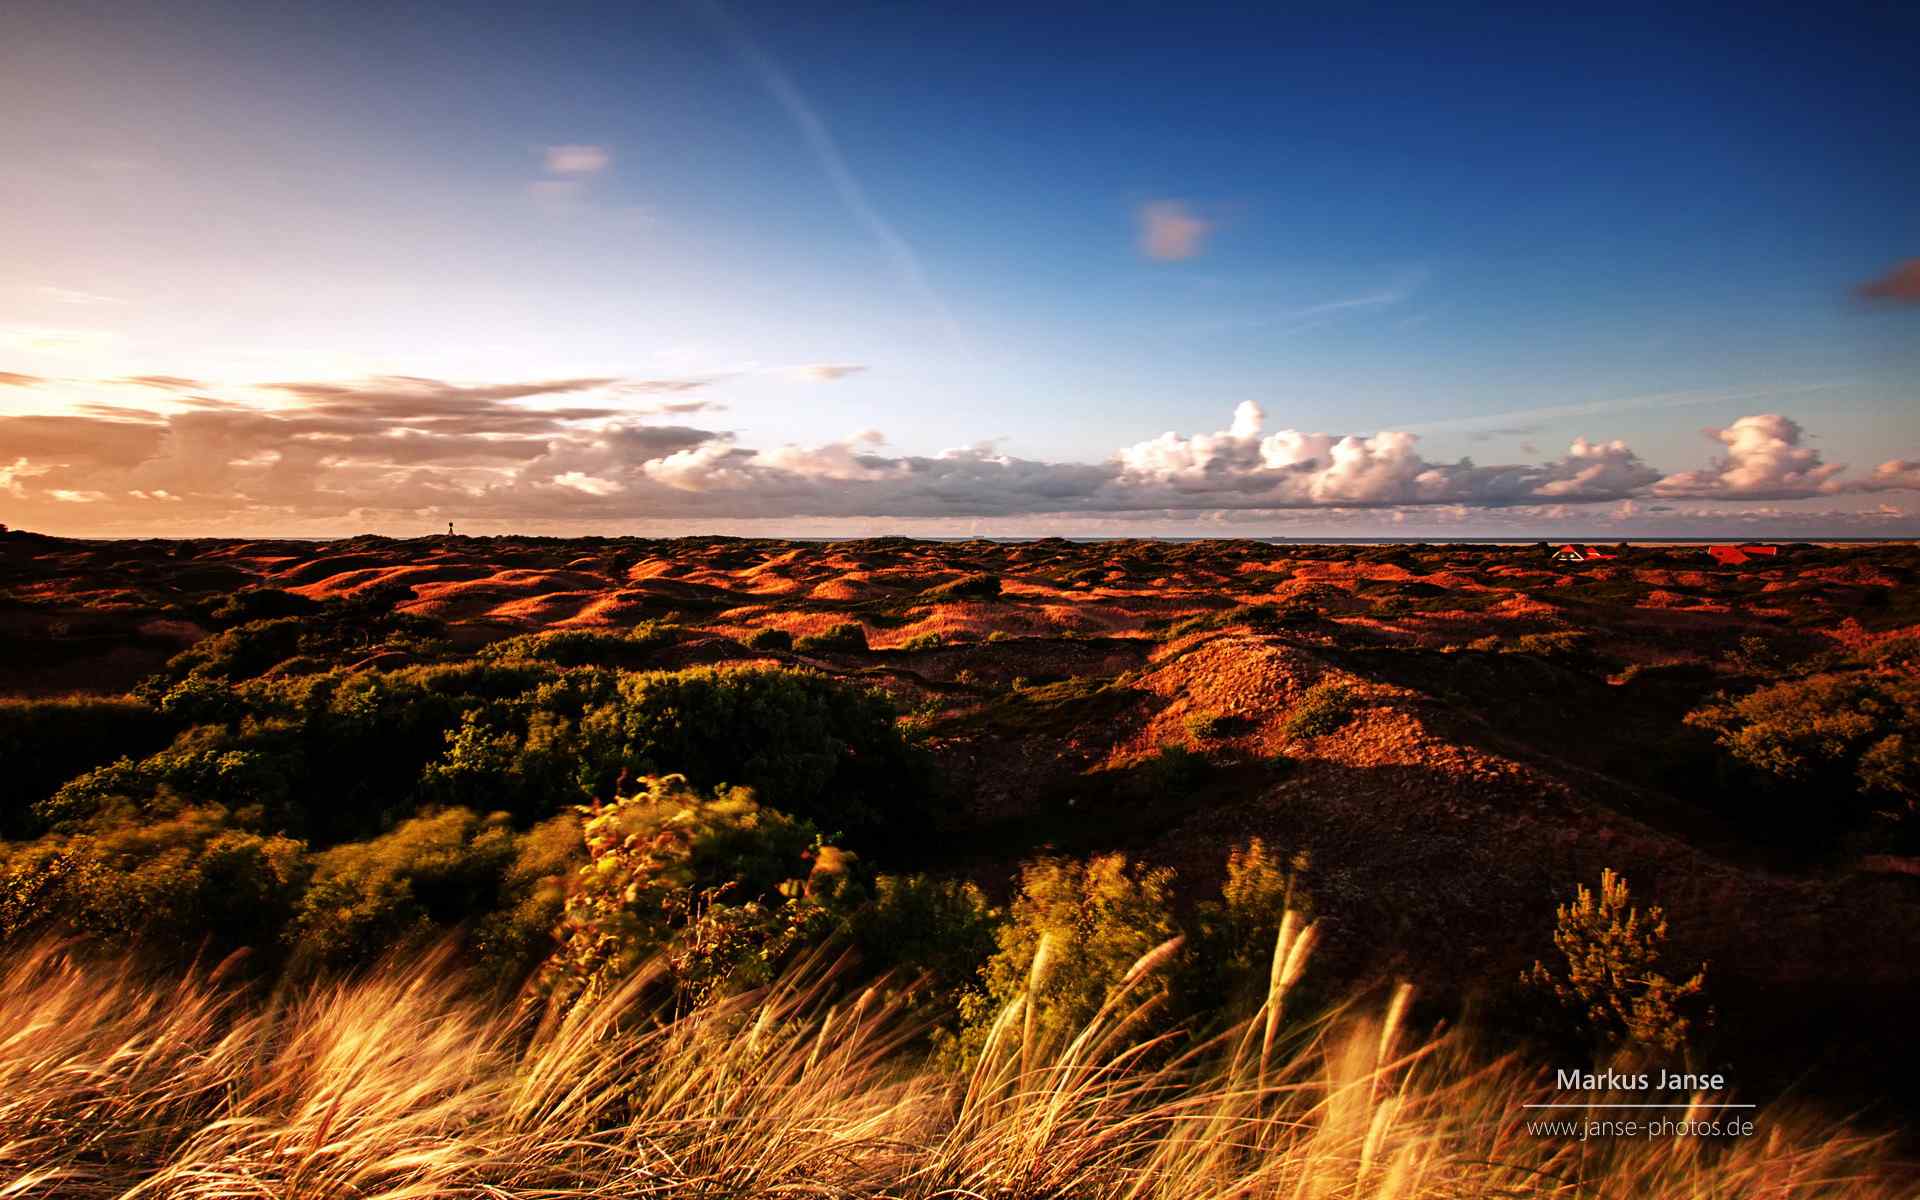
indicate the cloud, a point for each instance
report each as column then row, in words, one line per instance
column 820, row 142
column 589, row 484
column 165, row 383
column 1289, row 469
column 14, row 379
column 577, row 451
column 824, row 372
column 1764, row 461
column 1900, row 285
column 1898, row 474
column 577, row 160
column 1169, row 232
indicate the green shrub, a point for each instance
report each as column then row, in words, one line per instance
column 403, row 888
column 1233, row 948
column 967, row 587
column 923, row 641
column 1325, row 707
column 813, row 746
column 45, row 743
column 770, row 639
column 1095, row 920
column 847, row 635
column 254, row 778
column 1609, row 980
column 1850, row 732
column 579, row 647
column 1559, row 644
column 519, row 934
column 669, row 864
column 1209, row 727
column 1172, row 770
column 652, row 634
column 916, row 925
column 186, row 880
column 262, row 604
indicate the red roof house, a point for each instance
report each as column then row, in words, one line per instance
column 1573, row 552
column 1733, row 556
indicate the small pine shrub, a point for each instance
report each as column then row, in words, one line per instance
column 1609, row 980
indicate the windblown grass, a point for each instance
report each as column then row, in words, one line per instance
column 407, row 1084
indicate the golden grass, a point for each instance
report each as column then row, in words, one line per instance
column 407, row 1084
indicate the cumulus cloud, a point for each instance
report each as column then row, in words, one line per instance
column 1764, row 461
column 1168, row 231
column 1900, row 285
column 1290, row 468
column 577, row 451
column 578, row 160
column 1900, row 474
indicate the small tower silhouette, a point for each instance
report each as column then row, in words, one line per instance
column 449, row 528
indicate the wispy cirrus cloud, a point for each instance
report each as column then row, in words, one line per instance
column 163, row 383
column 825, row 149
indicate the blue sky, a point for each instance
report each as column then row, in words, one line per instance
column 1063, row 229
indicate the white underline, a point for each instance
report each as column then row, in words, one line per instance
column 1639, row 1106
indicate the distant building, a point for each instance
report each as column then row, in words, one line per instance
column 1733, row 556
column 1573, row 552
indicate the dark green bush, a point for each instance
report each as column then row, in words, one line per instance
column 44, row 743
column 561, row 647
column 805, row 743
column 403, row 888
column 967, row 587
column 186, row 880
column 847, row 635
column 1852, row 732
column 262, row 604
column 917, row 926
column 769, row 639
